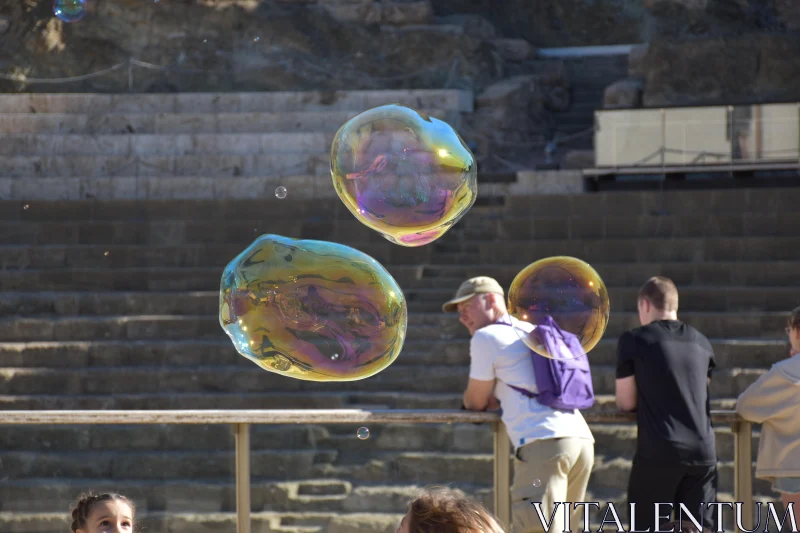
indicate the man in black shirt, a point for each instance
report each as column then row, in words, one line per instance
column 663, row 372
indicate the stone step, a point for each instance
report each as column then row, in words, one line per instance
column 707, row 273
column 191, row 255
column 423, row 295
column 146, row 211
column 265, row 400
column 301, row 185
column 421, row 326
column 45, row 171
column 729, row 353
column 269, row 400
column 627, row 250
column 431, row 378
column 715, row 274
column 692, row 298
column 385, row 467
column 629, row 226
column 264, row 102
column 216, row 378
column 737, row 202
column 610, row 439
column 138, row 144
column 188, row 122
column 343, row 227
column 203, row 496
column 693, row 252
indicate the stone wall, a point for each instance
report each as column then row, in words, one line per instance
column 242, row 45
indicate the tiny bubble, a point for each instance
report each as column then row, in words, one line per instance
column 280, row 192
column 256, row 39
column 26, row 207
column 362, row 433
column 537, row 482
column 335, row 356
column 106, row 253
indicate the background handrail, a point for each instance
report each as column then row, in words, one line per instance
column 292, row 416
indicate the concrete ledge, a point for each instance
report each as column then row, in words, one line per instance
column 548, row 182
column 448, row 99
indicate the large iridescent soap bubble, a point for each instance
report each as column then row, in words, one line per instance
column 564, row 291
column 404, row 174
column 69, row 10
column 312, row 310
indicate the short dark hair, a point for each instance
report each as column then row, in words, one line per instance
column 794, row 318
column 661, row 292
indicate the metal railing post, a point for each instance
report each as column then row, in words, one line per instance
column 242, row 432
column 743, row 468
column 502, row 475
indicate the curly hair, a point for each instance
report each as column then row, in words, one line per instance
column 82, row 508
column 444, row 510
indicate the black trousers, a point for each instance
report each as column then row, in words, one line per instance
column 691, row 485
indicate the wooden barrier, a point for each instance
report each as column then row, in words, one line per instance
column 241, row 420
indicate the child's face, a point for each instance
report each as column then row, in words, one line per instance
column 113, row 516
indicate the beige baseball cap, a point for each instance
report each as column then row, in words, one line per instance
column 470, row 288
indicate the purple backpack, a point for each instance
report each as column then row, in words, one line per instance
column 564, row 383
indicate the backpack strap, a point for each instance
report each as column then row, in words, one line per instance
column 524, row 392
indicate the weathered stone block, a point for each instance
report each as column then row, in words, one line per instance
column 514, row 49
column 623, row 94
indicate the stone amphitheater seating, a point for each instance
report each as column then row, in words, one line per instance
column 118, row 213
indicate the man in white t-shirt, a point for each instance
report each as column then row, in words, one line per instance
column 554, row 449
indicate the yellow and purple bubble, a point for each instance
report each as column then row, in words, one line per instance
column 312, row 310
column 567, row 289
column 404, row 174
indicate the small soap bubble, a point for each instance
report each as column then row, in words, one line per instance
column 404, row 174
column 69, row 10
column 362, row 433
column 105, row 253
column 312, row 310
column 280, row 192
column 537, row 482
column 559, row 295
column 26, row 207
column 256, row 39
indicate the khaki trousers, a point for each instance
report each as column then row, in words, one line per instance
column 550, row 471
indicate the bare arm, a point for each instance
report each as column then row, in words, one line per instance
column 626, row 393
column 478, row 395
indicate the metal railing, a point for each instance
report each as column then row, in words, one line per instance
column 241, row 420
column 710, row 138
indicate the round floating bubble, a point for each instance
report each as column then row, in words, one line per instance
column 280, row 192
column 404, row 174
column 562, row 296
column 362, row 433
column 537, row 482
column 69, row 10
column 312, row 310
